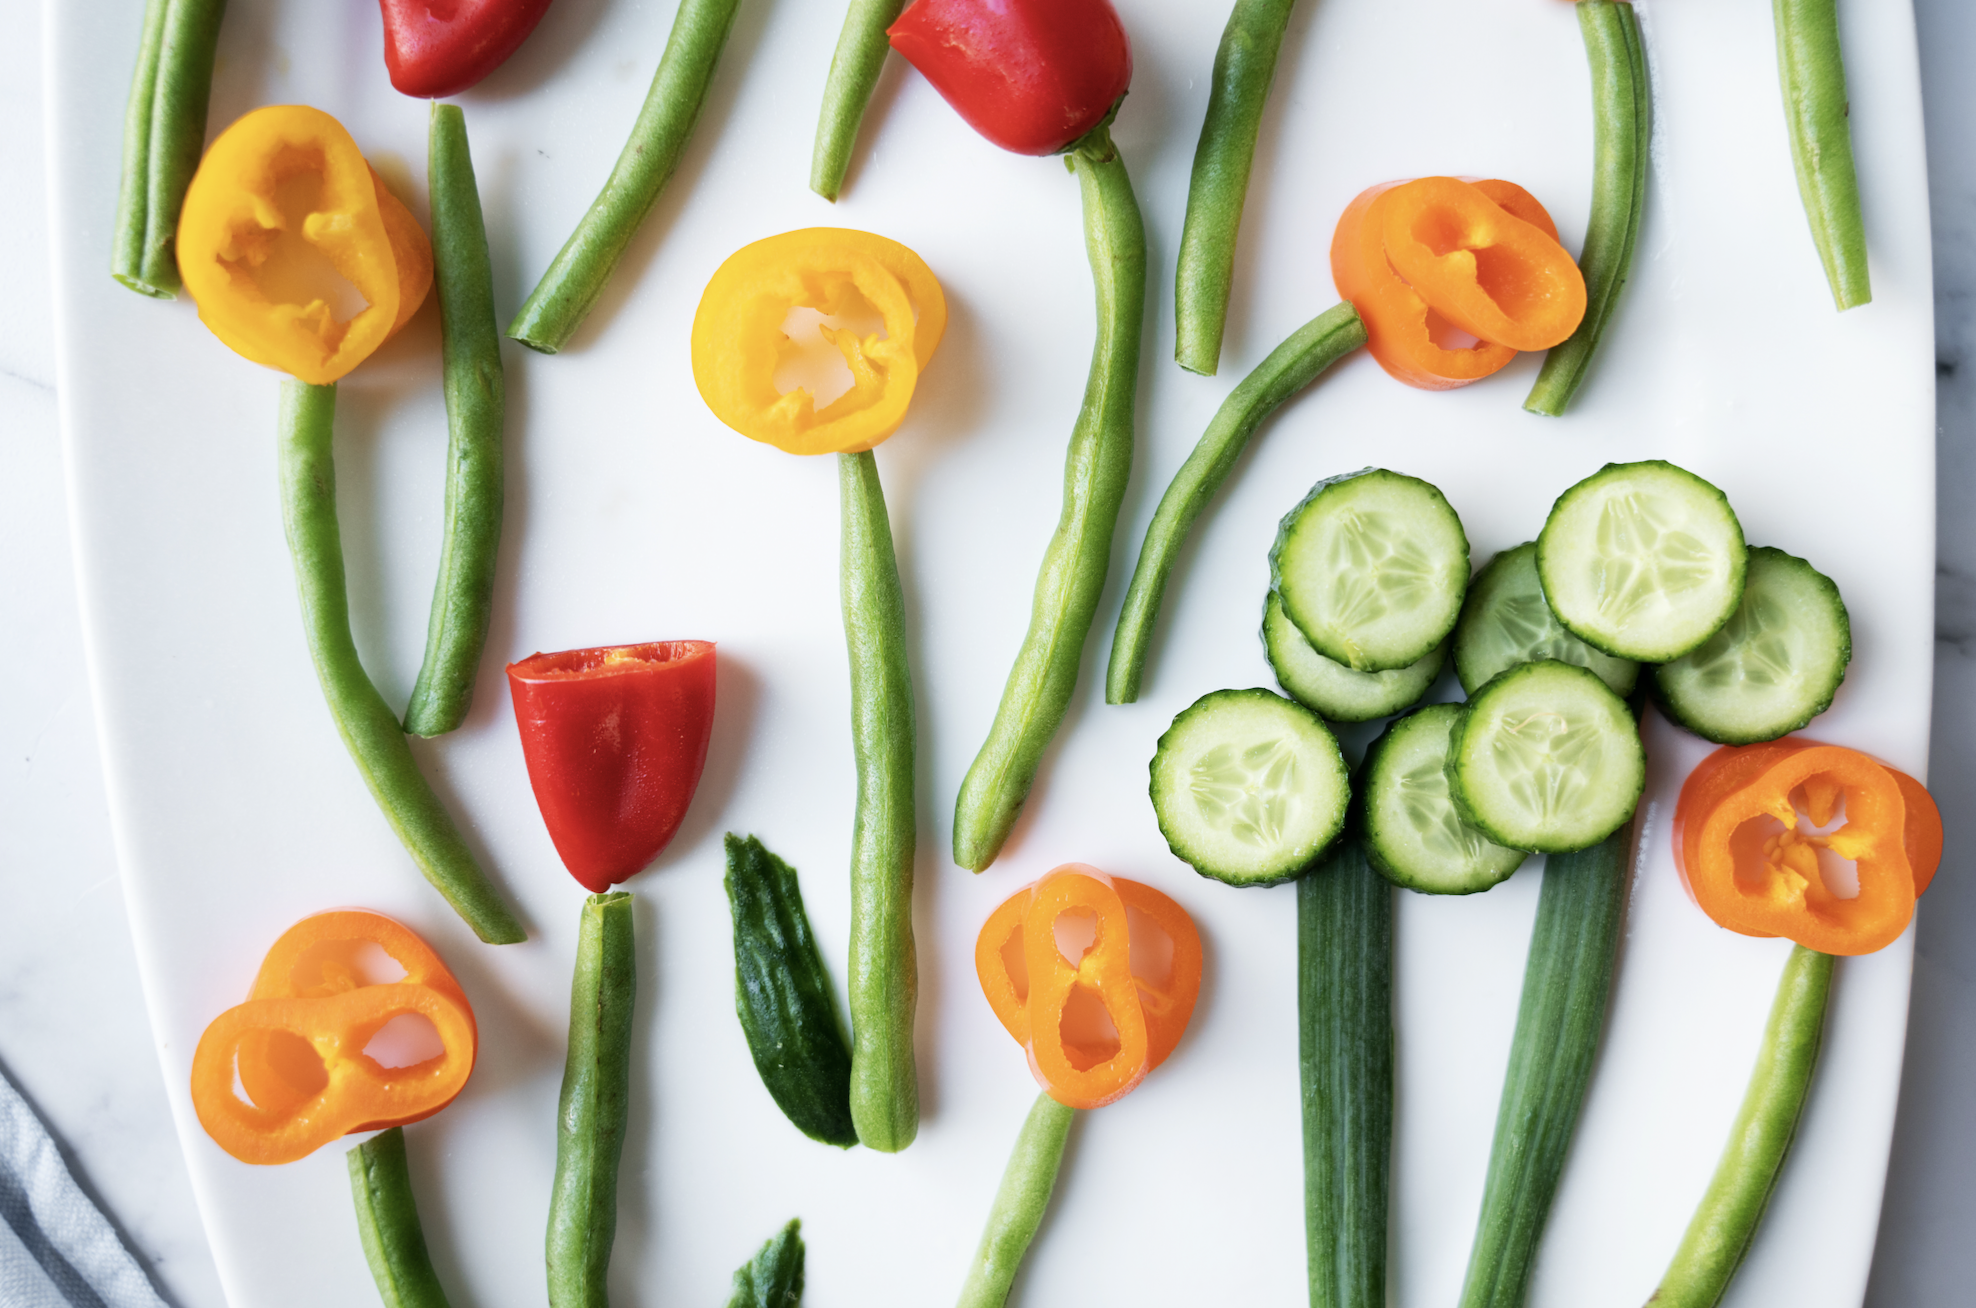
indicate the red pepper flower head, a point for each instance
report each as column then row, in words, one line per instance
column 1030, row 75
column 437, row 48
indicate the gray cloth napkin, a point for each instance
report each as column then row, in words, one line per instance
column 56, row 1249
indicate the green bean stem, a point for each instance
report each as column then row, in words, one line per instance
column 1345, row 1025
column 1558, row 1023
column 1290, row 367
column 590, row 1115
column 388, row 1223
column 369, row 728
column 476, row 408
column 1813, row 72
column 564, row 296
column 1725, row 1221
column 884, row 979
column 1019, row 1204
column 773, row 1278
column 1244, row 66
column 854, row 70
column 164, row 134
column 1096, row 468
column 1622, row 123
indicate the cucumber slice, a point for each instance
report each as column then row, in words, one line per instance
column 1505, row 621
column 1773, row 667
column 1330, row 689
column 1371, row 567
column 1413, row 834
column 1546, row 759
column 1249, row 787
column 1642, row 560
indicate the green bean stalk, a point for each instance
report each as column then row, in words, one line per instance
column 1290, row 367
column 854, row 70
column 1813, row 72
column 570, row 288
column 369, row 728
column 164, row 133
column 388, row 1223
column 1020, row 1203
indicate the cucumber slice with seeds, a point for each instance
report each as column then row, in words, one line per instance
column 1330, row 689
column 1546, row 758
column 1371, row 567
column 1642, row 560
column 1413, row 834
column 1775, row 664
column 1249, row 787
column 1505, row 621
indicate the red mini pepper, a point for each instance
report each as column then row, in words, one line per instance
column 437, row 48
column 1032, row 76
column 615, row 739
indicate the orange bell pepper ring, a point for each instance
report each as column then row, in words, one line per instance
column 297, row 1044
column 1753, row 868
column 1095, row 1026
column 1411, row 340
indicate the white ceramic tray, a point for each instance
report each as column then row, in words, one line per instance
column 633, row 514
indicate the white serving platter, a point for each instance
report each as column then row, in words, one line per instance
column 634, row 515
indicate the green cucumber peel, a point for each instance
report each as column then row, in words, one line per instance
column 773, row 1278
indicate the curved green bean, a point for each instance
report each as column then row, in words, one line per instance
column 388, row 1223
column 1290, row 367
column 1813, row 71
column 1096, row 468
column 1622, row 125
column 884, row 978
column 854, row 70
column 164, row 134
column 369, row 728
column 1725, row 1221
column 476, row 408
column 773, row 1278
column 1244, row 66
column 563, row 298
column 591, row 1112
column 1019, row 1204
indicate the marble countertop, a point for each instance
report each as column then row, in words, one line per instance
column 65, row 948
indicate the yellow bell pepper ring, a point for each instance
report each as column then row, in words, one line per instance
column 285, row 227
column 739, row 343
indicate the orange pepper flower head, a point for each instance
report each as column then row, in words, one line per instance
column 882, row 309
column 1094, row 975
column 300, row 1044
column 297, row 254
column 1763, row 832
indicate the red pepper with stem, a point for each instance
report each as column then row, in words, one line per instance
column 437, row 48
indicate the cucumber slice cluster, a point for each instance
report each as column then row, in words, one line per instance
column 1775, row 664
column 1412, row 832
column 1249, row 787
column 1546, row 758
column 1644, row 561
column 1371, row 567
column 1332, row 690
column 1505, row 621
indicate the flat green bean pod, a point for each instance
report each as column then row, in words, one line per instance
column 388, row 1223
column 1813, row 72
column 854, row 70
column 164, row 133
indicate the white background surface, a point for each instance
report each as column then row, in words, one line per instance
column 64, row 959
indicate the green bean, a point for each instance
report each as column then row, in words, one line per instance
column 590, row 1114
column 1573, row 947
column 1244, row 66
column 388, row 1223
column 884, row 979
column 1096, row 468
column 1290, row 367
column 369, row 728
column 1725, row 1221
column 164, row 133
column 854, row 69
column 1813, row 72
column 1019, row 1204
column 773, row 1278
column 1345, row 1024
column 1622, row 124
column 476, row 407
column 566, row 293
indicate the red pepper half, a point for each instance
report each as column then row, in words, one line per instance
column 615, row 739
column 437, row 48
column 1030, row 75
